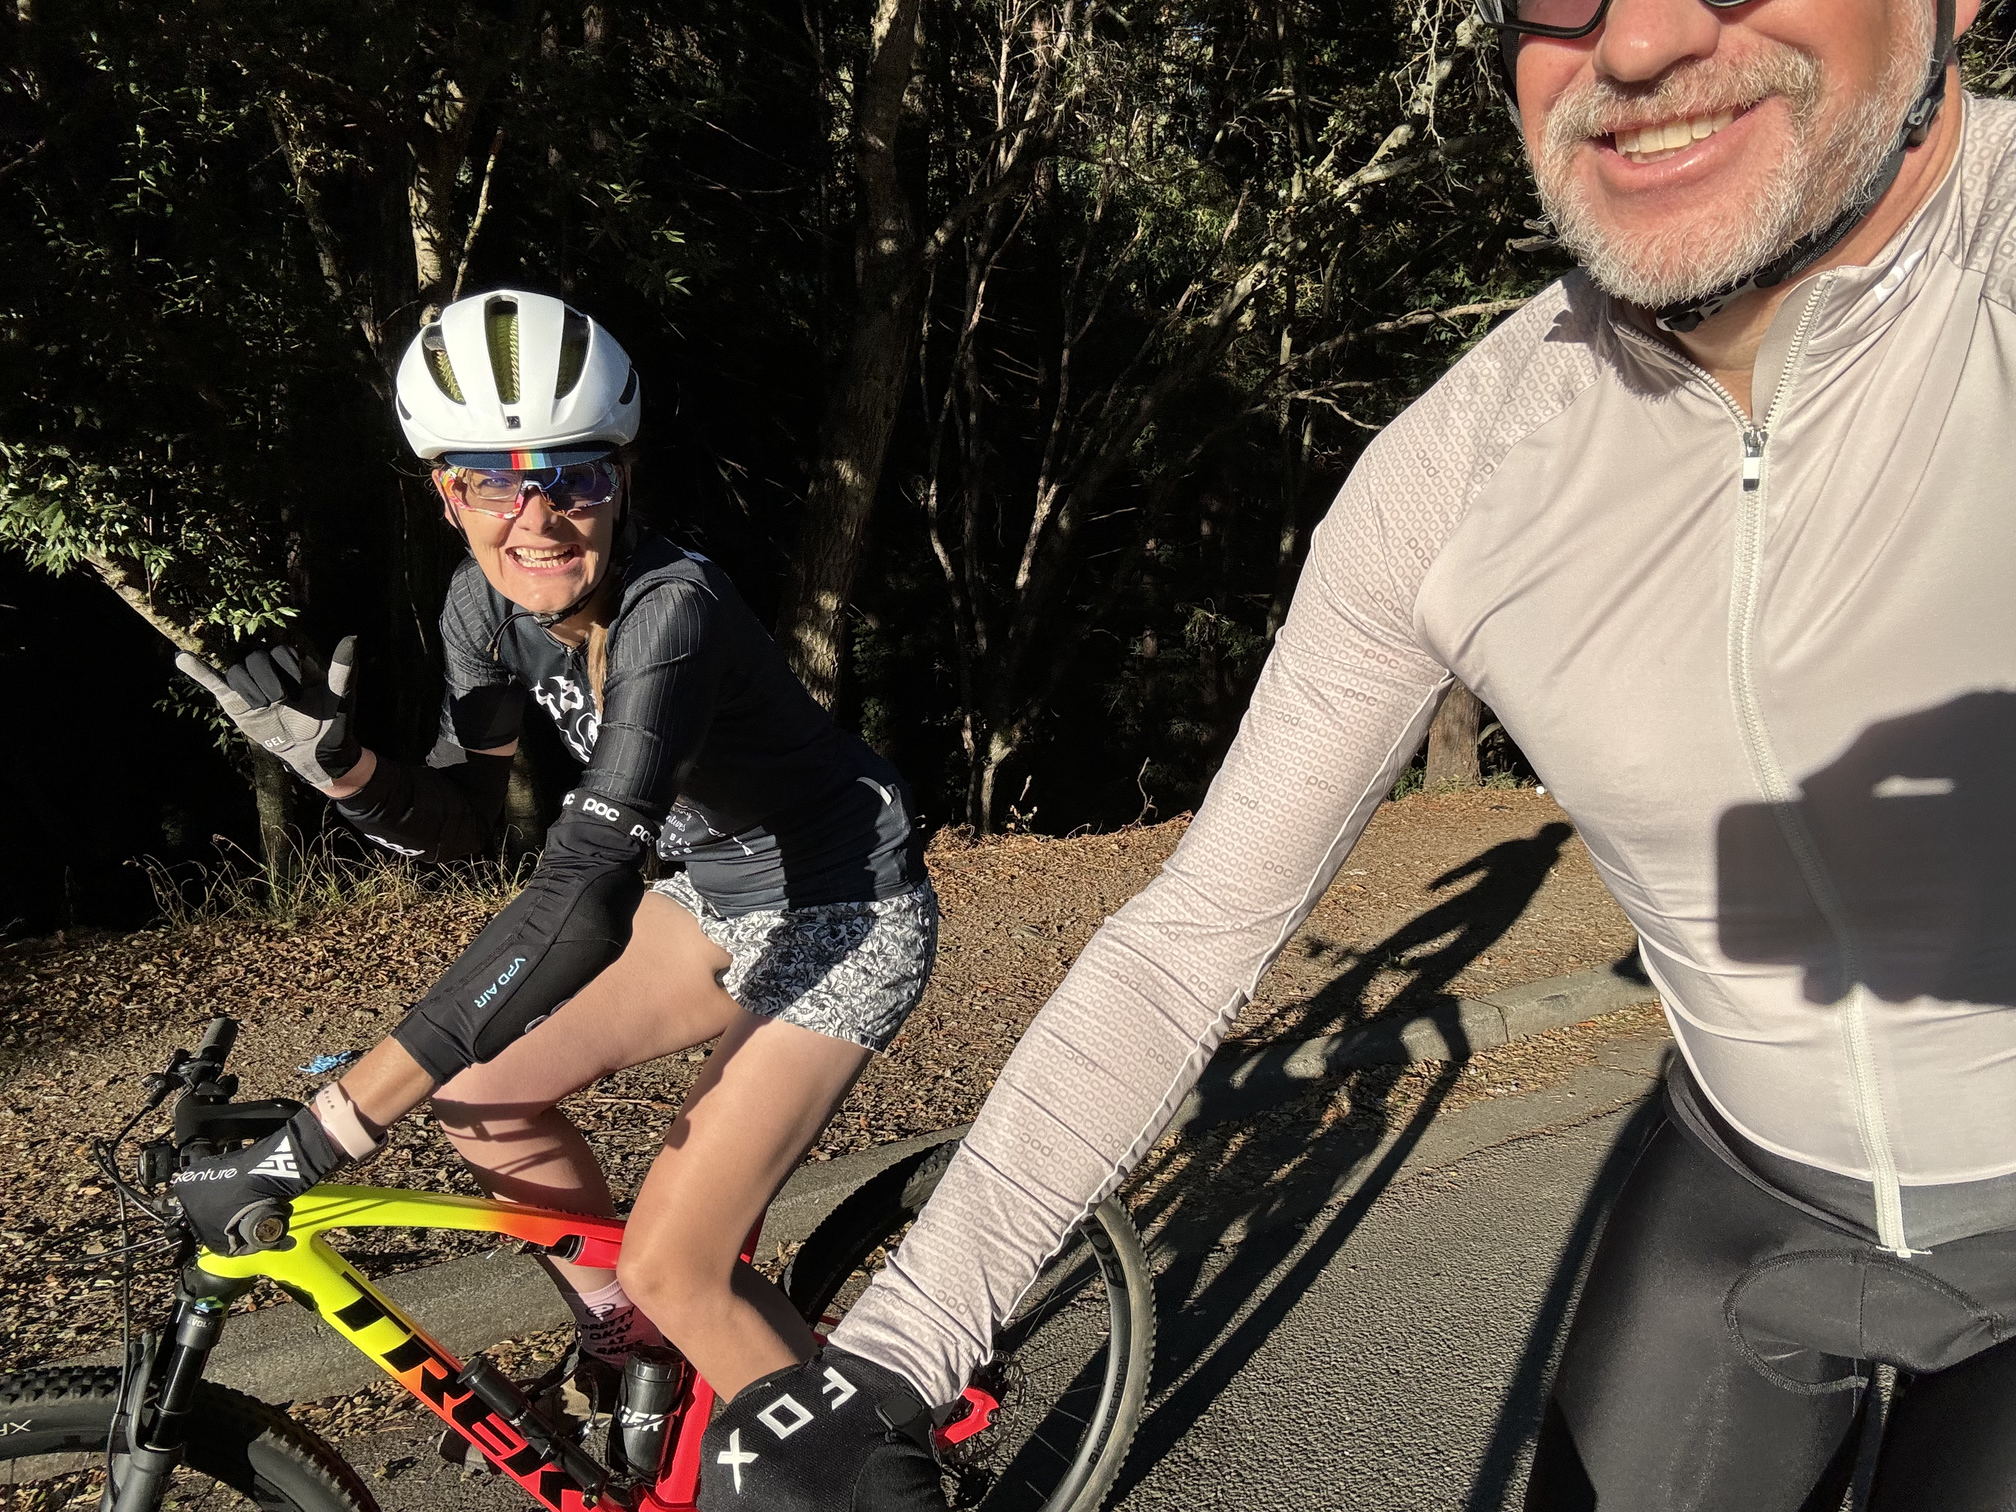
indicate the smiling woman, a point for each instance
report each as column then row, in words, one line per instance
column 798, row 927
column 543, row 535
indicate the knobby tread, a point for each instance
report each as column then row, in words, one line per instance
column 59, row 1382
column 236, row 1439
column 1142, row 1320
column 859, row 1222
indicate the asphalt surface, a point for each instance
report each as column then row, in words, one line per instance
column 1372, row 1330
column 1389, row 1351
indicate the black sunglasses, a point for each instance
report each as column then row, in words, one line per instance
column 1557, row 18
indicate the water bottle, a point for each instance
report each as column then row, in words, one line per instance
column 653, row 1376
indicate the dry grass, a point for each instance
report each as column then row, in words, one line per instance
column 328, row 875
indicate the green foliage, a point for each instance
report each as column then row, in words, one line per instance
column 64, row 512
column 1241, row 239
column 159, row 346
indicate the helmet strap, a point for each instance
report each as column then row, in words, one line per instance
column 622, row 541
column 1809, row 249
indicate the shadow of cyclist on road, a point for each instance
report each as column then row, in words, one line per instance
column 1435, row 947
column 1266, row 1182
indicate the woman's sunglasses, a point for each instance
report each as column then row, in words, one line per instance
column 1557, row 18
column 576, row 489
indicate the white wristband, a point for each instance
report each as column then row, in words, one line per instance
column 339, row 1119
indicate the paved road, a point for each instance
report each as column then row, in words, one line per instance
column 1369, row 1331
column 1387, row 1354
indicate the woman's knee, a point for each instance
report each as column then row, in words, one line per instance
column 668, row 1277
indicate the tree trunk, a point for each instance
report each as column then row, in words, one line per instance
column 854, row 435
column 1452, row 743
column 278, row 793
column 524, row 819
column 275, row 790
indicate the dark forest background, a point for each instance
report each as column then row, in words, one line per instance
column 1004, row 351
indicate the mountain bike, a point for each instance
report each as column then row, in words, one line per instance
column 1044, row 1425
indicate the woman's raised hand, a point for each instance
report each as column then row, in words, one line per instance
column 284, row 703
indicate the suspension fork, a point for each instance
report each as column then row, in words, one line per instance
column 157, row 1436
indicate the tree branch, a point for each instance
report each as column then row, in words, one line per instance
column 8, row 170
column 125, row 579
column 482, row 212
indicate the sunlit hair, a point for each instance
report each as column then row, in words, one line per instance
column 1818, row 176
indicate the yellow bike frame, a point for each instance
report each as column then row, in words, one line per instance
column 305, row 1266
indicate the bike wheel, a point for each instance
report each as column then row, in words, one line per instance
column 1070, row 1368
column 241, row 1453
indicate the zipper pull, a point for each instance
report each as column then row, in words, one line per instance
column 1753, row 457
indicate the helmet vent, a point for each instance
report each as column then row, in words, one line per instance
column 629, row 388
column 439, row 368
column 573, row 353
column 500, row 328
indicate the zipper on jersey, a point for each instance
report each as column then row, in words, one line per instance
column 1871, row 1121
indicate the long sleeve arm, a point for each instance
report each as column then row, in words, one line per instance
column 1341, row 706
column 574, row 916
column 431, row 813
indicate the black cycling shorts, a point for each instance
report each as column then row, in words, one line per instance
column 1722, row 1349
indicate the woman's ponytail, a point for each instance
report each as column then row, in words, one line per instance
column 601, row 611
column 605, row 602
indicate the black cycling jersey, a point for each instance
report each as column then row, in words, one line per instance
column 705, row 745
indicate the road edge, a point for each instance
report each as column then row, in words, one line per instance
column 1243, row 1079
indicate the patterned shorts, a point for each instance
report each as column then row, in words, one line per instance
column 852, row 971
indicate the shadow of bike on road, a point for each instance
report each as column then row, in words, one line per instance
column 1269, row 1180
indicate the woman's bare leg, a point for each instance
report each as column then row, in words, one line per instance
column 768, row 1090
column 659, row 996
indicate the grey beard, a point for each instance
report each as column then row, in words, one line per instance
column 1813, row 185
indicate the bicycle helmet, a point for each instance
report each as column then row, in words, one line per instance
column 522, row 380
column 515, row 379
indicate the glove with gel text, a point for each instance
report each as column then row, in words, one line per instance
column 283, row 703
column 224, row 1196
column 835, row 1434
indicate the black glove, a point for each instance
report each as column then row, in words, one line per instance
column 225, row 1195
column 284, row 704
column 836, row 1434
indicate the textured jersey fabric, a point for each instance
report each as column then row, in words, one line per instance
column 762, row 798
column 1768, row 667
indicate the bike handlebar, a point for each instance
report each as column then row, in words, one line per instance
column 217, row 1041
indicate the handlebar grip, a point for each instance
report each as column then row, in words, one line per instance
column 261, row 1226
column 218, row 1040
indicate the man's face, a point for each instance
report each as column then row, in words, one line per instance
column 1777, row 113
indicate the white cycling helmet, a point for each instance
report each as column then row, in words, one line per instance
column 516, row 379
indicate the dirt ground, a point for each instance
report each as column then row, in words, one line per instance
column 1446, row 894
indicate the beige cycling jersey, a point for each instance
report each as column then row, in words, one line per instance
column 1768, row 666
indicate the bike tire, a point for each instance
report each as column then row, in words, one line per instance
column 54, row 1423
column 1033, row 1460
